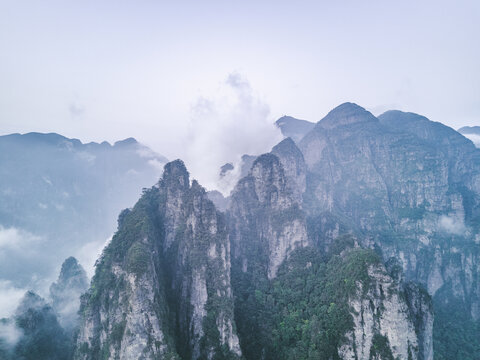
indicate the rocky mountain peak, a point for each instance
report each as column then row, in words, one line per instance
column 469, row 130
column 263, row 206
column 30, row 300
column 176, row 175
column 424, row 128
column 167, row 269
column 294, row 165
column 294, row 128
column 65, row 293
column 346, row 114
column 126, row 142
column 270, row 180
column 472, row 133
column 224, row 169
column 286, row 147
column 72, row 271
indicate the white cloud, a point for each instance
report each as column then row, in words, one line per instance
column 223, row 127
column 17, row 240
column 132, row 172
column 157, row 165
column 10, row 333
column 474, row 137
column 452, row 225
column 145, row 152
column 9, row 298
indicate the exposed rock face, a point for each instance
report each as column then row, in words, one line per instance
column 421, row 313
column 407, row 186
column 266, row 216
column 383, row 318
column 65, row 293
column 246, row 164
column 224, row 169
column 462, row 156
column 386, row 181
column 404, row 186
column 294, row 166
column 162, row 288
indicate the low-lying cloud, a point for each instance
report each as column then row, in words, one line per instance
column 474, row 137
column 18, row 240
column 10, row 333
column 10, row 296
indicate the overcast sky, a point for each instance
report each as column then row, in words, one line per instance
column 188, row 77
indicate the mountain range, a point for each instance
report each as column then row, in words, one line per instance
column 356, row 237
column 60, row 197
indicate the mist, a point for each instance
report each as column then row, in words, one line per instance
column 474, row 137
column 10, row 296
column 10, row 333
column 231, row 122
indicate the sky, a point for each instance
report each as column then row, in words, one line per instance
column 204, row 80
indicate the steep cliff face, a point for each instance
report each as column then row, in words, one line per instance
column 395, row 186
column 266, row 218
column 266, row 225
column 294, row 167
column 408, row 187
column 272, row 256
column 378, row 178
column 386, row 325
column 463, row 158
column 162, row 287
column 199, row 256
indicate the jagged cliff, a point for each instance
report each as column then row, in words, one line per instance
column 294, row 267
column 265, row 217
column 162, row 287
column 389, row 321
column 267, row 226
column 406, row 186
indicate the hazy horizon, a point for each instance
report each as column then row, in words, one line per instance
column 190, row 79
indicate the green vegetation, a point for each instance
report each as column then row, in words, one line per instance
column 304, row 312
column 455, row 333
column 138, row 258
column 43, row 338
column 380, row 348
